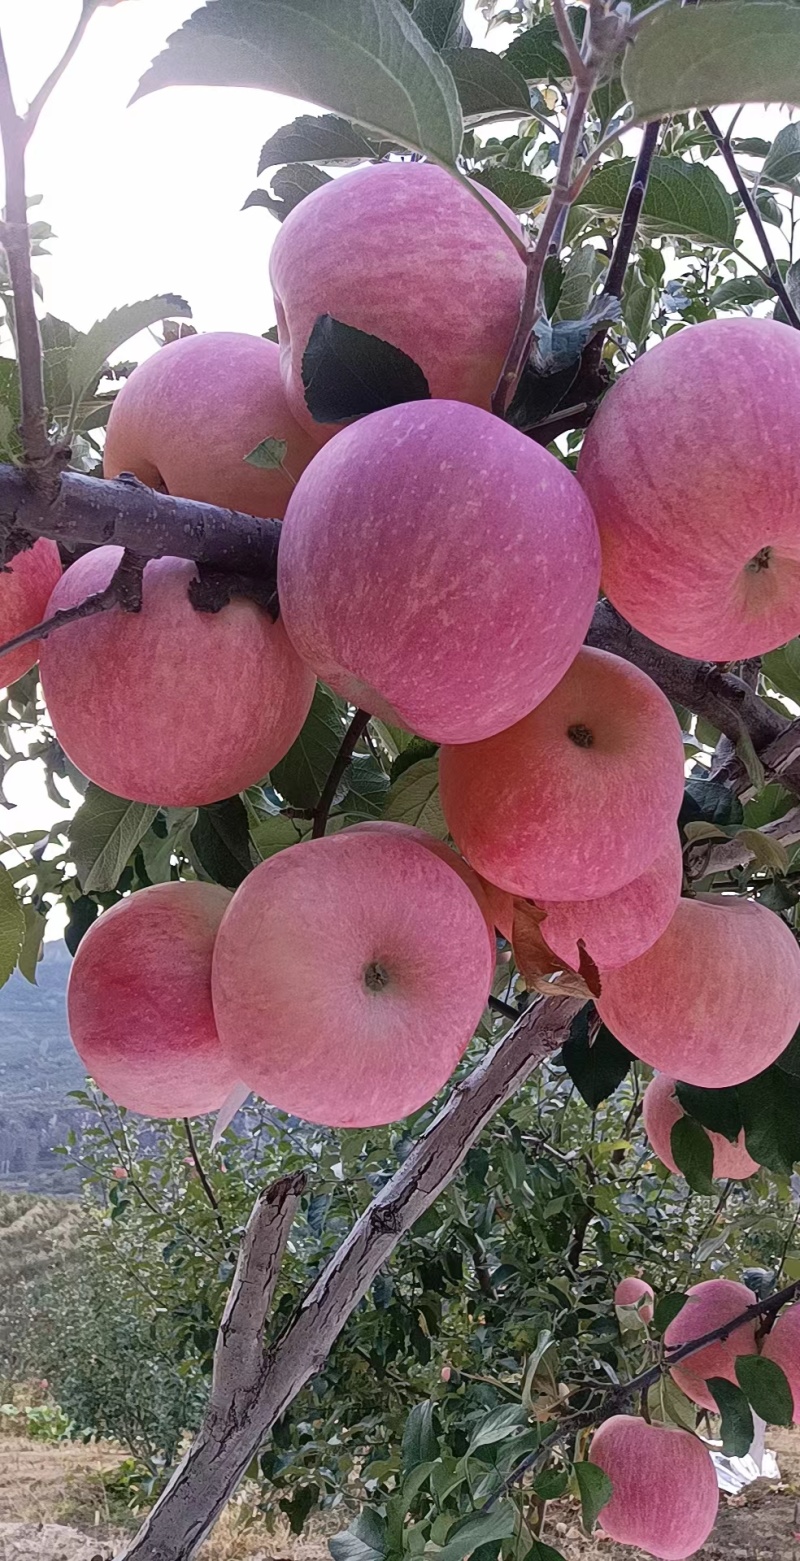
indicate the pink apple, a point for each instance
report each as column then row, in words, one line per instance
column 389, row 827
column 405, row 253
column 692, row 465
column 619, row 926
column 422, row 569
column 349, row 975
column 578, row 797
column 636, row 1292
column 188, row 416
column 139, row 1002
column 665, row 1496
column 708, row 1306
column 661, row 1109
column 783, row 1346
column 25, row 590
column 169, row 705
column 715, row 1000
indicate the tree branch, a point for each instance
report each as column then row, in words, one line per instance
column 16, row 239
column 722, row 856
column 37, row 103
column 230, row 1438
column 355, row 730
column 773, row 274
column 124, row 590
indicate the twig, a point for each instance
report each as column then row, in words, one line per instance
column 198, row 1165
column 571, row 48
column 124, row 590
column 16, row 239
column 498, row 1006
column 773, row 274
column 355, row 730
column 37, row 103
column 629, row 222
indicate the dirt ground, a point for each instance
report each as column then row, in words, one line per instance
column 53, row 1507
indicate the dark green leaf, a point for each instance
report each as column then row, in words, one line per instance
column 220, row 841
column 607, row 100
column 367, row 785
column 782, row 162
column 541, row 1552
column 420, row 1444
column 92, row 351
column 550, row 1485
column 693, row 1153
column 315, row 138
column 596, row 1067
column 783, row 668
column 739, row 292
column 581, row 275
column 666, row 1310
column 737, row 1429
column 710, row 802
column 290, row 186
column 269, row 455
column 30, row 952
column 480, row 1529
column 683, row 199
column 364, row 1540
column 348, row 373
column 595, row 1489
column 503, row 1423
column 638, row 306
column 302, row 773
column 364, row 59
column 789, row 1060
column 299, row 1506
column 487, row 85
column 699, row 56
column 12, row 926
column 769, row 208
column 416, row 748
column 718, row 1110
column 442, row 22
column 538, row 54
column 104, row 833
column 519, row 190
column 81, row 915
column 792, row 284
column 766, row 1387
column 770, row 1105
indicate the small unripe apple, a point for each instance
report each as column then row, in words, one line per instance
column 187, row 417
column 715, row 1000
column 405, row 253
column 422, row 568
column 665, row 1496
column 25, row 590
column 661, row 1109
column 139, row 1002
column 636, row 1292
column 710, row 1305
column 692, row 465
column 782, row 1345
column 577, row 798
column 349, row 976
column 169, row 705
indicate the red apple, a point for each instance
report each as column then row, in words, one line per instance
column 169, row 705
column 422, row 569
column 708, row 1306
column 25, row 590
column 389, row 827
column 661, row 1109
column 783, row 1346
column 188, row 416
column 139, row 1001
column 619, row 926
column 716, row 999
column 349, row 975
column 405, row 253
column 692, row 465
column 638, row 1293
column 578, row 797
column 665, row 1487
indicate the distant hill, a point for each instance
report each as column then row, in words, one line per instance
column 38, row 1068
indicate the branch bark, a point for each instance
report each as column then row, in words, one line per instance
column 253, row 1394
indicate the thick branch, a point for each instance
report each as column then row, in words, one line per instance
column 221, row 1452
column 722, row 856
column 16, row 240
column 773, row 274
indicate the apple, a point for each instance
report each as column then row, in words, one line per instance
column 665, row 1496
column 661, row 1109
column 405, row 253
column 783, row 1346
column 188, row 416
column 390, row 827
column 638, row 1293
column 715, row 1000
column 169, row 705
column 349, row 975
column 139, row 1001
column 423, row 568
column 692, row 467
column 26, row 586
column 708, row 1306
column 577, row 798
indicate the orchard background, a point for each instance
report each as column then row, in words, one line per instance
column 419, row 1325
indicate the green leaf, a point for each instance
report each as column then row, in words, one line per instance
column 708, row 801
column 315, row 138
column 269, row 455
column 597, row 1066
column 693, row 1153
column 92, row 351
column 538, row 54
column 414, row 799
column 481, row 1529
column 104, row 834
column 442, row 23
column 487, row 85
column 668, row 1405
column 364, row 59
column 367, row 785
column 302, row 773
column 290, row 186
column 783, row 666
column 276, row 834
column 638, row 306
column 12, row 926
column 551, row 1484
column 766, row 1388
column 667, row 1309
column 499, row 1426
column 31, row 949
column 738, row 293
column 684, row 200
column 595, row 1490
column 419, row 1444
column 519, row 190
column 349, row 373
column 718, row 1110
column 789, row 1060
column 581, row 275
column 541, row 1552
column 220, row 842
column 770, row 1105
column 732, row 51
column 737, row 1429
column 364, row 1540
column 782, row 162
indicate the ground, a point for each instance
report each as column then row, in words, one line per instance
column 53, row 1507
